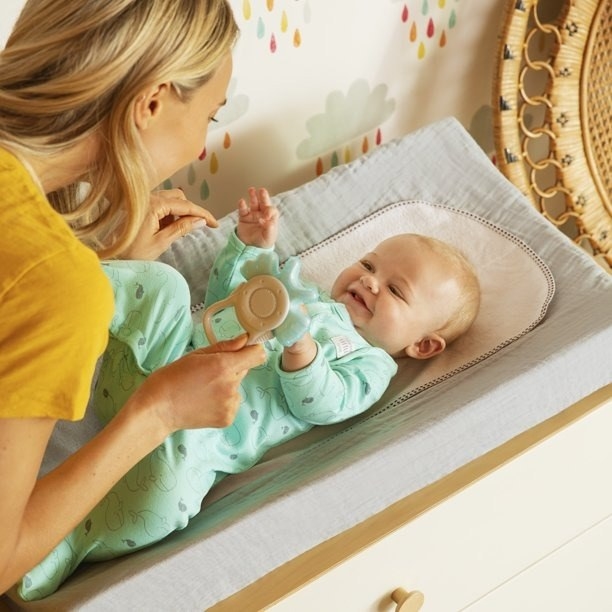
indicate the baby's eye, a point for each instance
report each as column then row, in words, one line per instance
column 395, row 291
column 367, row 266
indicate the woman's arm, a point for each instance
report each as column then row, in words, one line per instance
column 22, row 445
column 36, row 514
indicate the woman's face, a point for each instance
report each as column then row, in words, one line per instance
column 175, row 133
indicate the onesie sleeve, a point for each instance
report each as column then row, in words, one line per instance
column 226, row 272
column 347, row 376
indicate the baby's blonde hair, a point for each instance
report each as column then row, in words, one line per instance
column 73, row 68
column 466, row 308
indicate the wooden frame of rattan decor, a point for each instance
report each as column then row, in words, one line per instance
column 552, row 112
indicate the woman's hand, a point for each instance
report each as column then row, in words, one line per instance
column 171, row 216
column 199, row 390
column 257, row 220
column 202, row 388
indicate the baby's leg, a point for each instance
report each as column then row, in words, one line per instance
column 151, row 327
column 155, row 498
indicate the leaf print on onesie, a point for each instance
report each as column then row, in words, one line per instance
column 154, row 525
column 112, row 508
column 275, row 400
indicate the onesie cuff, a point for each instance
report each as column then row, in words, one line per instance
column 241, row 248
column 305, row 373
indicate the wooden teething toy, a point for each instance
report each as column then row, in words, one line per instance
column 269, row 301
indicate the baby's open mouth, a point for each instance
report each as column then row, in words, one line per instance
column 359, row 300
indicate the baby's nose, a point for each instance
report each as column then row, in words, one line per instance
column 369, row 282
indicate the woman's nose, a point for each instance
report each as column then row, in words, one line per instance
column 369, row 282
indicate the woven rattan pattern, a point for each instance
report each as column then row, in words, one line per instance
column 552, row 120
column 598, row 67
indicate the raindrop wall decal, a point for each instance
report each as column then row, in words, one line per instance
column 425, row 7
column 191, row 174
column 413, row 32
column 452, row 20
column 297, row 38
column 430, row 28
column 227, row 141
column 167, row 184
column 204, row 190
column 273, row 44
column 246, row 9
column 378, row 136
column 443, row 39
column 365, row 145
column 214, row 164
column 347, row 155
column 202, row 155
column 405, row 14
column 270, row 4
column 284, row 22
column 334, row 160
column 441, row 3
column 261, row 28
column 319, row 167
column 421, row 52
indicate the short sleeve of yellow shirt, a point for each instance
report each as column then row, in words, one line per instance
column 55, row 305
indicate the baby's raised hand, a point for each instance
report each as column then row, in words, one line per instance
column 257, row 220
column 300, row 354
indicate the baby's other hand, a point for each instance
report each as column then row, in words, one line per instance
column 300, row 354
column 257, row 220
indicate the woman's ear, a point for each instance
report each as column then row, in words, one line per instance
column 426, row 347
column 149, row 104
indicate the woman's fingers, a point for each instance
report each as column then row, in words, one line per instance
column 173, row 205
column 246, row 357
column 170, row 217
column 202, row 388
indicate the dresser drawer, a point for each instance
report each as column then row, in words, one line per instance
column 483, row 536
column 574, row 577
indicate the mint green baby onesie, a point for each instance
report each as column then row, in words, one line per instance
column 153, row 326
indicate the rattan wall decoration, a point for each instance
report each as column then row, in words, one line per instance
column 553, row 114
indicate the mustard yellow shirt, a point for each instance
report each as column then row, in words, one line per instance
column 55, row 304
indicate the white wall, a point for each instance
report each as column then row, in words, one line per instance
column 9, row 9
column 317, row 82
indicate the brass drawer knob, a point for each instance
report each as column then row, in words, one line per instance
column 407, row 601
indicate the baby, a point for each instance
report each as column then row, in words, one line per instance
column 410, row 297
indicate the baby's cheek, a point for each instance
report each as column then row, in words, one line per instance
column 340, row 284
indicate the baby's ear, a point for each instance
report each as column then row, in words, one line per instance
column 426, row 347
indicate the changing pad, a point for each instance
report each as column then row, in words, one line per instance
column 418, row 432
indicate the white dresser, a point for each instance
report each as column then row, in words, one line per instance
column 520, row 528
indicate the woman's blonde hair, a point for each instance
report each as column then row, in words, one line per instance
column 73, row 68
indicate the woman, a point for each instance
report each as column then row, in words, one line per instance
column 114, row 96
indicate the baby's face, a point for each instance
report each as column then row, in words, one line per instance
column 397, row 294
